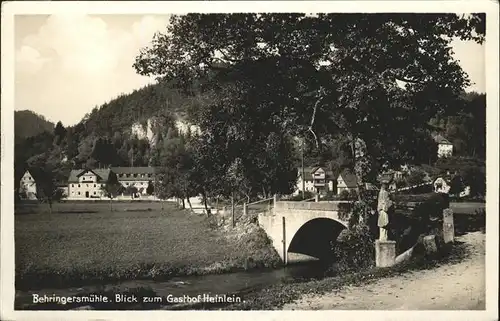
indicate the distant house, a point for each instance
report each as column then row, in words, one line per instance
column 87, row 183
column 445, row 147
column 441, row 185
column 346, row 181
column 316, row 180
column 27, row 185
column 140, row 177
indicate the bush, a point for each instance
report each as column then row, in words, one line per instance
column 344, row 195
column 307, row 195
column 354, row 250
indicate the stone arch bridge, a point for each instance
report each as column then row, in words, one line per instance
column 305, row 227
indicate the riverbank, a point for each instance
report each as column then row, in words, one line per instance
column 377, row 288
column 61, row 250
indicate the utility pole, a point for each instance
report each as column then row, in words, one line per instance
column 303, row 171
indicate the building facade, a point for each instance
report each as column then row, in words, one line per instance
column 138, row 177
column 317, row 180
column 445, row 147
column 27, row 186
column 87, row 183
column 346, row 181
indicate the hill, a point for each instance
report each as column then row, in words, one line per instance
column 28, row 124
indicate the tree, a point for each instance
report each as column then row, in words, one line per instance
column 112, row 189
column 150, row 189
column 59, row 133
column 319, row 76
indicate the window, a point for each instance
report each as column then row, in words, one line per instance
column 87, row 185
column 95, row 185
column 94, row 192
column 72, row 185
column 78, row 193
column 126, row 184
column 78, row 186
column 135, row 175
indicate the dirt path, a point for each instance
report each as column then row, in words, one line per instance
column 458, row 286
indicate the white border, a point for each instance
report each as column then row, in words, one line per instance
column 9, row 9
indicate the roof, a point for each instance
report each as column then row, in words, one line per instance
column 102, row 174
column 349, row 178
column 309, row 171
column 441, row 140
column 133, row 170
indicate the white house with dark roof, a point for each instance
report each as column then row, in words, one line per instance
column 87, row 183
column 346, row 181
column 27, row 186
column 445, row 147
column 140, row 177
column 317, row 180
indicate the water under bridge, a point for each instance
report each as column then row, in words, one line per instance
column 305, row 227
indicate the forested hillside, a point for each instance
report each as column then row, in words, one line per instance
column 263, row 104
column 28, row 124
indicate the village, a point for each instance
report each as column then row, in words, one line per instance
column 138, row 182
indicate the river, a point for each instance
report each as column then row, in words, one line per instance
column 238, row 284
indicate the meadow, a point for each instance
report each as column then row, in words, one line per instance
column 82, row 243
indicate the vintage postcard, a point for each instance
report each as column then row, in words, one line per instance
column 268, row 159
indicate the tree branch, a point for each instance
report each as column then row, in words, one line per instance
column 313, row 118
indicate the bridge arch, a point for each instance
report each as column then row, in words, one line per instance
column 314, row 237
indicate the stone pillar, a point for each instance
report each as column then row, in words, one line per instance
column 316, row 198
column 385, row 253
column 448, row 226
column 244, row 209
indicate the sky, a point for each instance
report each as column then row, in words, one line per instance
column 65, row 65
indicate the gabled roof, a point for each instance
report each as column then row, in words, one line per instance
column 348, row 178
column 309, row 171
column 133, row 170
column 102, row 174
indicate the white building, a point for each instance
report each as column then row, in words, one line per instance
column 139, row 177
column 27, row 186
column 346, row 182
column 445, row 147
column 317, row 180
column 87, row 183
column 441, row 185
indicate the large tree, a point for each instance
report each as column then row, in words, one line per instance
column 377, row 79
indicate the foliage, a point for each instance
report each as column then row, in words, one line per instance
column 150, row 189
column 299, row 197
column 471, row 170
column 416, row 176
column 325, row 75
column 354, row 249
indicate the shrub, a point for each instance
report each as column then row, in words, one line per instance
column 344, row 195
column 354, row 249
column 307, row 195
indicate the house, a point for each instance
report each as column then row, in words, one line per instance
column 346, row 181
column 27, row 185
column 441, row 185
column 87, row 183
column 445, row 147
column 140, row 177
column 317, row 180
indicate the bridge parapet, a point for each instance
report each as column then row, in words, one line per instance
column 315, row 206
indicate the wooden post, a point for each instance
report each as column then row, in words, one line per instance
column 232, row 208
column 284, row 243
column 244, row 209
column 316, row 198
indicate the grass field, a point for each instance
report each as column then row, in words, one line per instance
column 69, row 247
